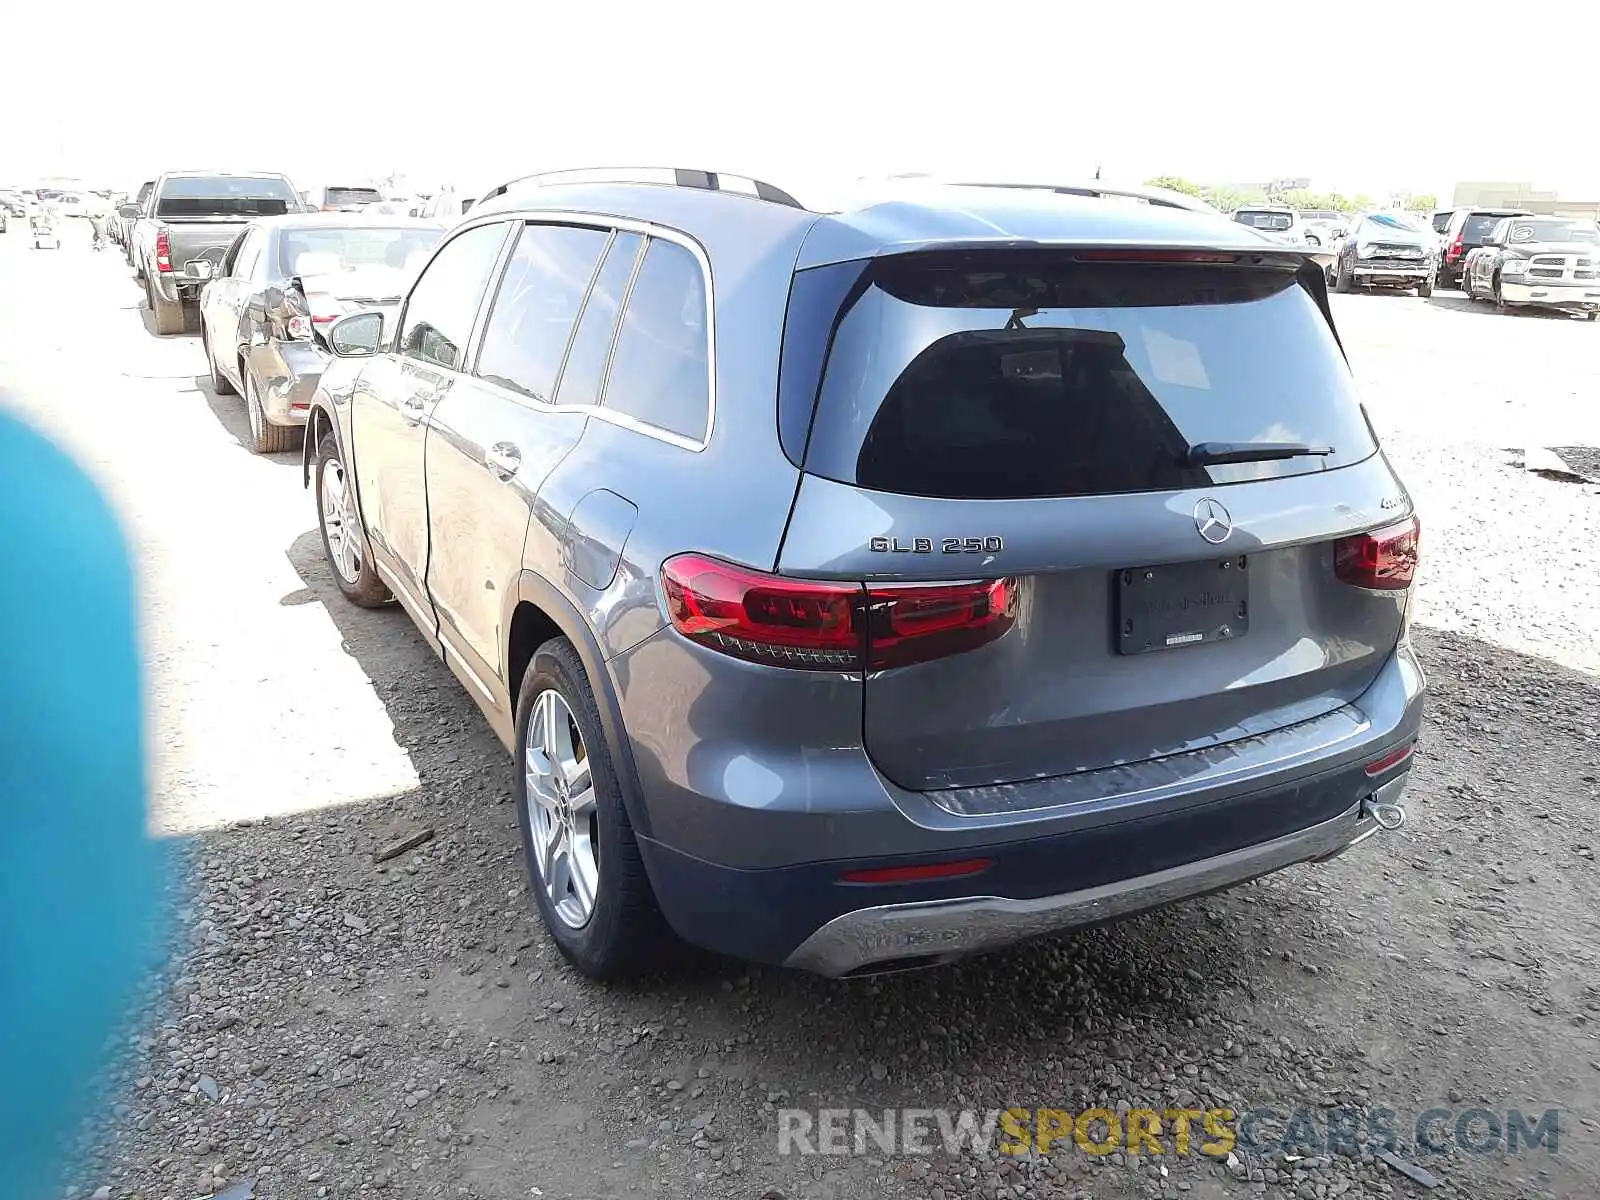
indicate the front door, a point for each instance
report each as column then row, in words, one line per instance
column 495, row 438
column 395, row 397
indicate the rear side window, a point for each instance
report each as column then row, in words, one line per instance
column 537, row 307
column 591, row 344
column 1441, row 222
column 1000, row 376
column 660, row 369
column 444, row 303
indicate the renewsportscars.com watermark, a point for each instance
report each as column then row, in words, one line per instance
column 1215, row 1132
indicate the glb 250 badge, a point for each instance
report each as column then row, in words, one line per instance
column 922, row 545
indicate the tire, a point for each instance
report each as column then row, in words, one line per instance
column 1499, row 299
column 1466, row 288
column 1592, row 315
column 623, row 932
column 1344, row 281
column 191, row 318
column 168, row 316
column 219, row 381
column 360, row 585
column 1425, row 288
column 265, row 437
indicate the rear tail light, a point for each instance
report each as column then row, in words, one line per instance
column 1385, row 559
column 831, row 626
column 296, row 315
column 163, row 251
column 1455, row 249
column 324, row 310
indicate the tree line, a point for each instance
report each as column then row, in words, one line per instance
column 1229, row 197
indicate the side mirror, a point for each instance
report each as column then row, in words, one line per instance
column 272, row 298
column 360, row 335
column 128, row 211
column 199, row 268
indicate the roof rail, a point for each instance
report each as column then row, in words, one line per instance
column 711, row 181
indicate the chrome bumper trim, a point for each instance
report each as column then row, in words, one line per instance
column 939, row 930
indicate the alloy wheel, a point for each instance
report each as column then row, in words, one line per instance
column 340, row 525
column 562, row 816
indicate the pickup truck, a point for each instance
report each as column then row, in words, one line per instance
column 188, row 222
column 1540, row 262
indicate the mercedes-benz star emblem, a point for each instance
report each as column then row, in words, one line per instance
column 1213, row 521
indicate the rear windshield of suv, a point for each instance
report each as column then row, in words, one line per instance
column 1003, row 376
column 1276, row 222
column 341, row 197
column 193, row 196
column 1479, row 226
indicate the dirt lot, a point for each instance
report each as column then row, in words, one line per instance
column 332, row 1027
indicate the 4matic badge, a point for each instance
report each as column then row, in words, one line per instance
column 951, row 545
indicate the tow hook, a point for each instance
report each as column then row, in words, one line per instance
column 1388, row 816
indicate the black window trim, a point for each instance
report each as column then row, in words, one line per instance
column 646, row 230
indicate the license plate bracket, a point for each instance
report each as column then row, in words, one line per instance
column 1172, row 605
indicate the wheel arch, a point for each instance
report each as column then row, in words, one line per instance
column 318, row 422
column 541, row 612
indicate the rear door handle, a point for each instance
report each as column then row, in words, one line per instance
column 504, row 458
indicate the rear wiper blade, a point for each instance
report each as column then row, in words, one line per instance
column 1206, row 454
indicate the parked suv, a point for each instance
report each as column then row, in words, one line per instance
column 860, row 590
column 1468, row 229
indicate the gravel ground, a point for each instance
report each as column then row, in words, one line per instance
column 332, row 1026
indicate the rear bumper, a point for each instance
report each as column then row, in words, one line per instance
column 290, row 381
column 1183, row 829
column 936, row 931
column 1552, row 293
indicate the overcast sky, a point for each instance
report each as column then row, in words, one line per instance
column 795, row 93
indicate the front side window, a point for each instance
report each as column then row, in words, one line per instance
column 660, row 368
column 444, row 303
column 537, row 306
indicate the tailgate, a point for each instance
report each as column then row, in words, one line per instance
column 206, row 239
column 1032, row 421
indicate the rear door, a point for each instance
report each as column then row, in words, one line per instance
column 495, row 437
column 1033, row 419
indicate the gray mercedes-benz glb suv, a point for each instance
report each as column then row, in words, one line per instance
column 859, row 590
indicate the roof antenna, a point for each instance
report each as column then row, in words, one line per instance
column 1097, row 171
